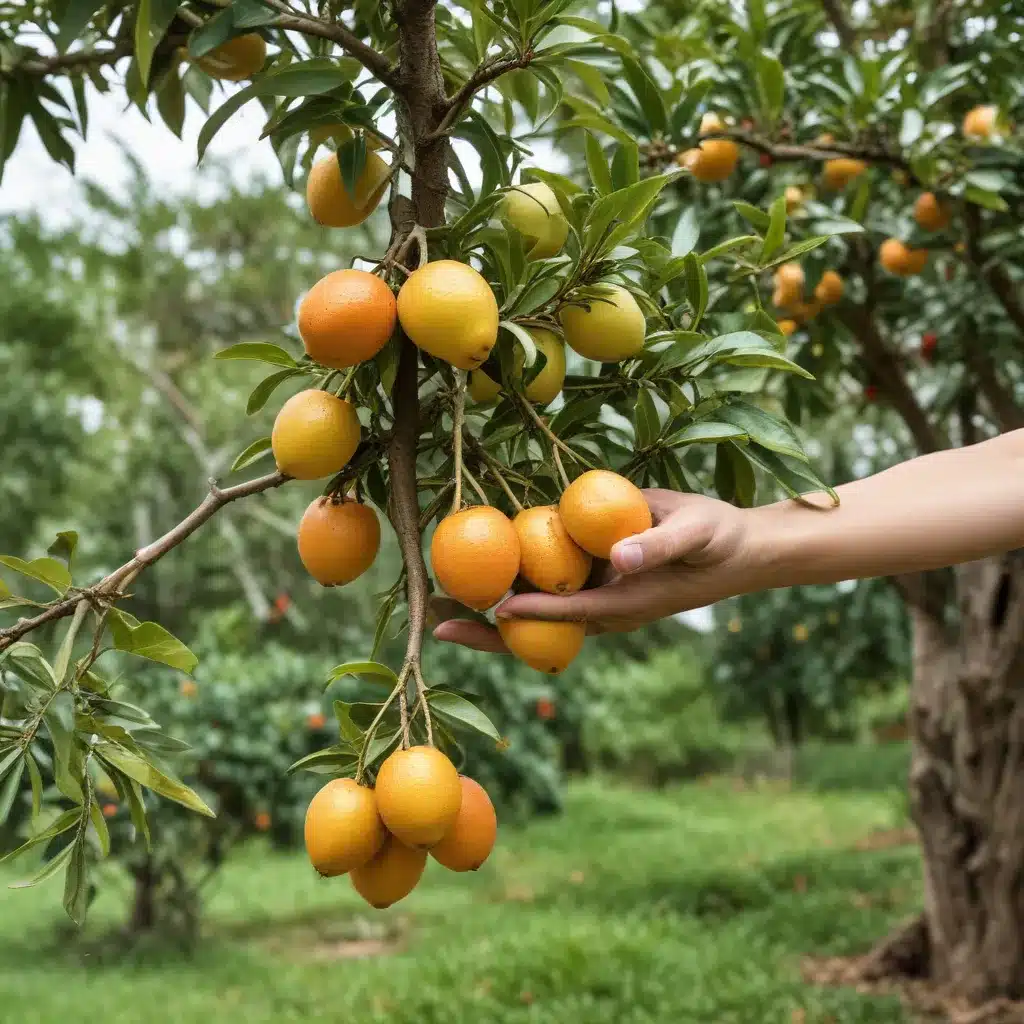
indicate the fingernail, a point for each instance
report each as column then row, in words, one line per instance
column 629, row 556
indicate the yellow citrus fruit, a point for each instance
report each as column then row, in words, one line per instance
column 338, row 541
column 330, row 202
column 343, row 829
column 787, row 327
column 931, row 213
column 794, row 198
column 829, row 289
column 789, row 276
column 237, row 59
column 418, row 795
column 980, row 122
column 711, row 123
column 475, row 555
column 534, row 212
column 468, row 843
column 803, row 311
column 544, row 388
column 346, row 318
column 449, row 310
column 840, row 172
column 391, row 875
column 545, row 646
column 900, row 260
column 607, row 326
column 550, row 559
column 714, row 160
column 314, row 435
column 783, row 298
column 600, row 508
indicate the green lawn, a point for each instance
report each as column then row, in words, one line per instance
column 633, row 908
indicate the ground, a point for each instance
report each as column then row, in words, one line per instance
column 693, row 904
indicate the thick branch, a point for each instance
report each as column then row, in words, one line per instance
column 1005, row 410
column 993, row 273
column 836, row 14
column 480, row 79
column 145, row 556
column 69, row 62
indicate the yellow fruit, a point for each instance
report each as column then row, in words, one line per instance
column 901, row 261
column 550, row 559
column 391, row 875
column 803, row 311
column 237, row 59
column 475, row 556
column 829, row 289
column 544, row 388
column 449, row 310
column 534, row 212
column 980, row 122
column 794, row 198
column 545, row 646
column 314, row 435
column 608, row 326
column 338, row 541
column 346, row 318
column 789, row 276
column 714, row 160
column 785, row 299
column 931, row 213
column 711, row 123
column 418, row 795
column 840, row 172
column 600, row 508
column 343, row 829
column 468, row 843
column 330, row 202
column 787, row 327
column 800, row 633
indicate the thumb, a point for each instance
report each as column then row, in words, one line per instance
column 675, row 538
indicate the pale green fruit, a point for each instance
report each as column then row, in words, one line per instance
column 534, row 212
column 610, row 328
column 543, row 388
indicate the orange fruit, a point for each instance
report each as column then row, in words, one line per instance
column 237, row 59
column 338, row 541
column 840, row 172
column 783, row 298
column 712, row 161
column 188, row 688
column 787, row 327
column 829, row 289
column 418, row 795
column 262, row 822
column 315, row 721
column 314, row 435
column 931, row 213
column 980, row 122
column 794, row 198
column 901, row 261
column 449, row 310
column 109, row 810
column 789, row 277
column 343, row 827
column 549, row 558
column 331, row 204
column 600, row 508
column 475, row 555
column 545, row 646
column 802, row 311
column 468, row 843
column 391, row 875
column 346, row 318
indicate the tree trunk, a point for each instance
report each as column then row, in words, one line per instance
column 792, row 705
column 143, row 917
column 967, row 785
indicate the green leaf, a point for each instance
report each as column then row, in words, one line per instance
column 625, row 165
column 776, row 232
column 255, row 451
column 45, row 570
column 59, row 719
column 647, row 93
column 352, row 162
column 796, row 250
column 261, row 351
column 771, row 83
column 303, row 78
column 349, row 730
column 170, row 102
column 9, row 789
column 380, row 745
column 744, row 480
column 758, row 219
column 26, row 661
column 67, row 820
column 646, row 420
column 49, row 869
column 148, row 775
column 76, row 882
column 592, row 78
column 704, row 432
column 152, row 20
column 373, row 669
column 99, row 825
column 763, row 428
column 457, row 709
column 686, row 110
column 222, row 114
column 597, row 165
column 989, row 200
column 334, row 760
column 696, row 288
column 687, row 231
column 525, row 339
column 64, row 547
column 266, row 387
column 36, row 780
column 794, row 477
column 77, row 15
column 628, row 205
column 150, row 640
column 132, row 792
column 213, row 33
column 911, row 127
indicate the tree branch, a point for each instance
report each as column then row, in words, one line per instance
column 992, row 273
column 69, row 62
column 836, row 14
column 1005, row 410
column 145, row 556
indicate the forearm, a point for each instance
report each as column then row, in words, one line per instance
column 942, row 509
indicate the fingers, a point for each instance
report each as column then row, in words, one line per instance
column 470, row 634
column 678, row 535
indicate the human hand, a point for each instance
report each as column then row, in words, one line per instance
column 697, row 552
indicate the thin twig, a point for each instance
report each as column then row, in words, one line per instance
column 458, row 415
column 555, row 440
column 561, row 469
column 372, row 728
column 494, row 469
column 421, row 691
column 476, row 486
column 403, row 712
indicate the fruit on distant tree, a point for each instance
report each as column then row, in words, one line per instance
column 931, row 213
column 900, row 260
column 829, row 289
column 838, row 173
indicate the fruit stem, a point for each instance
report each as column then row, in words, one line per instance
column 347, row 382
column 474, row 483
column 403, row 710
column 421, row 690
column 495, row 471
column 556, row 442
column 458, row 415
column 558, row 465
column 371, row 731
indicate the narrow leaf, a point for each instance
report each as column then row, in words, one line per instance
column 264, row 352
column 457, row 709
column 148, row 775
column 259, row 448
column 363, row 668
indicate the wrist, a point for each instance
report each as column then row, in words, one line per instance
column 783, row 543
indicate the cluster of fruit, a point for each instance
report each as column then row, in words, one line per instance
column 788, row 296
column 380, row 836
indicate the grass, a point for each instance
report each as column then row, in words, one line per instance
column 690, row 905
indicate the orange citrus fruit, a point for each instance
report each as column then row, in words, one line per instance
column 840, row 172
column 475, row 555
column 418, row 795
column 605, row 324
column 900, row 260
column 343, row 827
column 346, row 318
column 331, row 204
column 712, row 161
column 544, row 388
column 980, row 122
column 600, row 508
column 545, row 646
column 794, row 198
column 314, row 435
column 391, row 875
column 237, row 59
column 468, row 843
column 787, row 327
column 338, row 541
column 549, row 558
column 931, row 213
column 829, row 289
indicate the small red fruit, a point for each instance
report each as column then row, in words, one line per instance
column 929, row 342
column 870, row 393
column 282, row 602
column 109, row 810
column 765, row 160
column 316, row 721
column 262, row 821
column 545, row 709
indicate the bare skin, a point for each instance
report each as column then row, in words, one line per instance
column 937, row 510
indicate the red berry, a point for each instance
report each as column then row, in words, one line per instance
column 746, row 124
column 870, row 393
column 545, row 709
column 766, row 160
column 929, row 342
